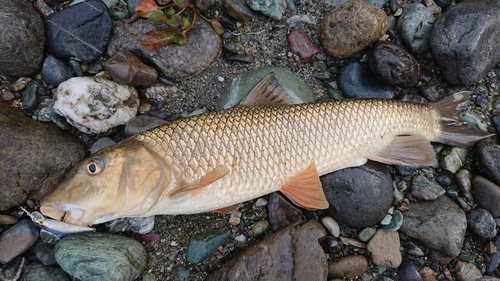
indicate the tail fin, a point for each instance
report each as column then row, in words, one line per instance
column 453, row 131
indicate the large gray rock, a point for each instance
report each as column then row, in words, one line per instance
column 292, row 253
column 465, row 41
column 22, row 37
column 35, row 156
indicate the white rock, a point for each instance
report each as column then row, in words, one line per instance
column 95, row 104
column 332, row 225
column 241, row 238
column 259, row 204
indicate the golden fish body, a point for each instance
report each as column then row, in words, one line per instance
column 212, row 161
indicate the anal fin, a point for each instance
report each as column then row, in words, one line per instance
column 305, row 190
column 204, row 181
column 415, row 151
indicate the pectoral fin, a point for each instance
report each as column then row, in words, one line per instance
column 226, row 210
column 415, row 151
column 305, row 190
column 267, row 92
column 204, row 181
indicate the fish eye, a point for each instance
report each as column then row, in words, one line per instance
column 94, row 166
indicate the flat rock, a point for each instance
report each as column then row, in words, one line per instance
column 488, row 155
column 486, row 195
column 271, row 8
column 37, row 155
column 439, row 225
column 176, row 62
column 355, row 80
column 384, row 247
column 351, row 27
column 425, row 189
column 126, row 68
column 17, row 239
column 22, row 37
column 292, row 253
column 465, row 41
column 347, row 267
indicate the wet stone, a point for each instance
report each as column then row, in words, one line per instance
column 489, row 159
column 30, row 95
column 347, row 267
column 271, row 8
column 486, row 195
column 301, row 44
column 452, row 158
column 204, row 244
column 126, row 68
column 13, row 269
column 367, row 233
column 243, row 58
column 482, row 223
column 55, row 71
column 384, row 247
column 396, row 221
column 355, row 80
column 467, row 271
column 141, row 225
column 415, row 27
column 39, row 272
column 408, row 272
column 331, row 225
column 17, row 239
column 425, row 189
column 49, row 237
column 44, row 252
column 282, row 212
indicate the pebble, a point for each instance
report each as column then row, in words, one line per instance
column 240, row 238
column 260, row 204
column 203, row 245
column 350, row 28
column 13, row 269
column 30, row 95
column 76, row 67
column 464, row 41
column 464, row 183
column 347, row 267
column 301, row 44
column 101, row 256
column 17, row 239
column 161, row 93
column 488, row 155
column 482, row 223
column 304, row 19
column 415, row 27
column 395, row 222
column 243, row 58
column 384, row 247
column 425, row 189
column 44, row 252
column 367, row 233
column 415, row 251
column 125, row 67
column 90, row 20
column 331, row 225
column 359, row 196
column 89, row 113
column 22, row 37
column 141, row 124
column 467, row 271
column 259, row 228
column 452, row 158
column 55, row 71
column 428, row 274
column 355, row 80
column 7, row 96
column 282, row 212
column 352, row 242
column 393, row 65
column 141, row 225
column 39, row 272
column 271, row 8
column 486, row 195
column 8, row 220
column 332, row 246
column 408, row 272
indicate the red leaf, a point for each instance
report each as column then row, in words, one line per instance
column 182, row 3
column 146, row 7
column 155, row 39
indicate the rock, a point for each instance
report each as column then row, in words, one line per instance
column 347, row 267
column 465, row 41
column 439, row 225
column 355, row 80
column 384, row 247
column 282, row 212
column 482, row 223
column 142, row 123
column 271, row 8
column 176, row 62
column 260, row 204
column 488, row 278
column 367, row 233
column 425, row 189
column 49, row 237
column 408, row 272
column 464, row 183
column 31, row 94
column 452, row 158
column 359, row 196
column 38, row 159
column 488, row 155
column 114, row 105
column 467, row 271
column 395, row 223
column 17, row 239
column 13, row 269
column 241, row 85
column 415, row 27
column 126, row 68
column 55, row 71
column 350, row 28
column 331, row 245
column 331, row 225
column 39, row 272
column 203, row 245
column 82, row 31
column 428, row 274
column 141, row 225
column 292, row 253
column 101, row 256
column 495, row 260
column 259, row 228
column 101, row 144
column 161, row 93
column 44, row 252
column 301, row 44
column 8, row 220
column 393, row 65
column 22, row 37
column 486, row 195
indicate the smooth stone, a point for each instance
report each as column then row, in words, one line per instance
column 25, row 159
column 384, row 247
column 141, row 225
column 101, row 144
column 8, row 220
column 495, row 260
column 291, row 253
column 488, row 155
column 17, row 239
column 331, row 225
column 31, row 94
column 408, row 272
column 465, row 41
column 359, row 196
column 393, row 65
column 395, row 223
column 243, row 58
column 366, row 233
column 49, row 237
column 88, row 21
column 203, row 245
column 428, row 274
column 301, row 44
column 486, row 195
column 260, row 204
column 55, row 71
column 452, row 158
column 467, row 271
column 39, row 272
column 125, row 67
column 141, row 124
column 101, row 256
column 22, row 37
column 13, row 269
column 355, row 80
column 351, row 27
column 46, row 111
column 482, row 223
column 347, row 267
column 44, row 252
column 464, row 183
column 415, row 27
column 439, row 225
column 76, row 67
column 260, row 228
column 271, row 8
column 425, row 189
column 240, row 86
column 176, row 62
column 281, row 212
column 115, row 105
column 415, row 251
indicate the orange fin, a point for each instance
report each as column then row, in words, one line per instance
column 413, row 151
column 267, row 92
column 226, row 210
column 204, row 181
column 305, row 190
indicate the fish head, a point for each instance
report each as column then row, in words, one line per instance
column 124, row 180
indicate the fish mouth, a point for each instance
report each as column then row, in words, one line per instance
column 67, row 214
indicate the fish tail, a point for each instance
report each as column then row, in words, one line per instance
column 453, row 131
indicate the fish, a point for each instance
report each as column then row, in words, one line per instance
column 213, row 161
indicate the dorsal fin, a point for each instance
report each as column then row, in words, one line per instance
column 267, row 92
column 198, row 185
column 415, row 151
